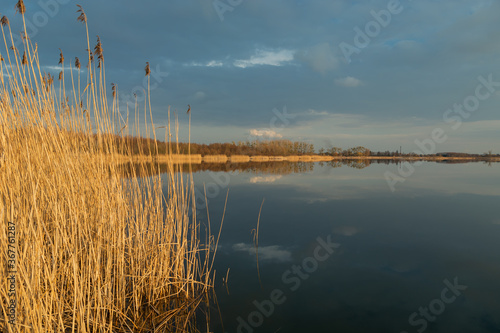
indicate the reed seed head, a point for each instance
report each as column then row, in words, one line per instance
column 113, row 89
column 91, row 55
column 77, row 63
column 4, row 21
column 147, row 69
column 98, row 52
column 61, row 58
column 189, row 108
column 20, row 7
column 25, row 59
column 50, row 79
column 82, row 18
column 60, row 75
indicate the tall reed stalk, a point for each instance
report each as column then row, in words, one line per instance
column 96, row 251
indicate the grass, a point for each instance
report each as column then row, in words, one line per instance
column 95, row 251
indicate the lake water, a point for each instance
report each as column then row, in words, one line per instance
column 340, row 252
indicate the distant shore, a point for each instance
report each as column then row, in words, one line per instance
column 198, row 158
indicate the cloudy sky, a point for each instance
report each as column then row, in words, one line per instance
column 381, row 74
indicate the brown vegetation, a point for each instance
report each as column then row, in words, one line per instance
column 94, row 252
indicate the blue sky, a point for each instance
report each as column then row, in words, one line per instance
column 381, row 74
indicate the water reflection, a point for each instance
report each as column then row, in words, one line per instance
column 395, row 250
column 278, row 168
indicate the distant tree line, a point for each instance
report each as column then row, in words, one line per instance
column 139, row 145
column 251, row 148
column 453, row 154
column 336, row 151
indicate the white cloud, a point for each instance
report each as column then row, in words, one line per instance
column 269, row 58
column 200, row 95
column 211, row 63
column 265, row 133
column 274, row 252
column 214, row 63
column 5, row 73
column 312, row 112
column 349, row 82
column 268, row 179
column 320, row 58
column 59, row 68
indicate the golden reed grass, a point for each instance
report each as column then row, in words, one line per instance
column 96, row 251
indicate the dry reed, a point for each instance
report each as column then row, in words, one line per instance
column 96, row 251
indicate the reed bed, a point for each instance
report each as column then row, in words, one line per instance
column 215, row 159
column 166, row 158
column 239, row 159
column 95, row 251
column 259, row 158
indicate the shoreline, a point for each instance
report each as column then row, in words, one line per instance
column 198, row 159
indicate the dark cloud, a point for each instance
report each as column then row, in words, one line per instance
column 268, row 54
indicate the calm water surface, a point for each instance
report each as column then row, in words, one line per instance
column 340, row 252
